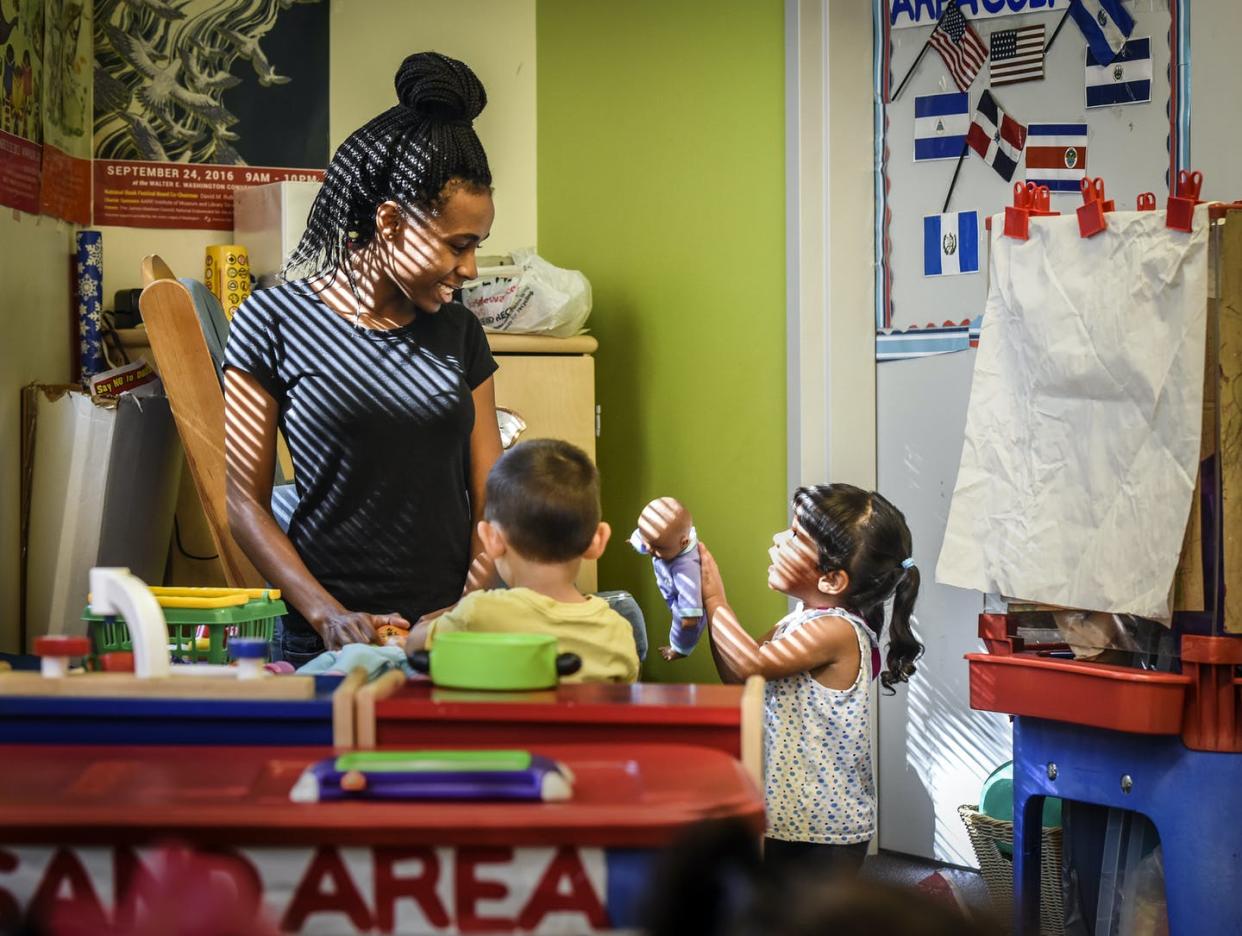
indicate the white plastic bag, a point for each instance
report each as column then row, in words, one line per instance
column 531, row 297
column 1144, row 911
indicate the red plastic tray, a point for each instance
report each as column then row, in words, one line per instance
column 637, row 796
column 420, row 715
column 1093, row 694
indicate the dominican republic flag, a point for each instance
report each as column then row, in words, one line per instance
column 1125, row 80
column 960, row 46
column 1056, row 155
column 951, row 243
column 940, row 125
column 1017, row 55
column 1105, row 25
column 996, row 136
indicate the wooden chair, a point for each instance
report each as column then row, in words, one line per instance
column 194, row 394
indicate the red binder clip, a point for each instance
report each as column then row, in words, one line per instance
column 1146, row 201
column 1040, row 200
column 1181, row 213
column 1091, row 212
column 1018, row 215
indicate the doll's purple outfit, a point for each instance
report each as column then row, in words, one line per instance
column 680, row 580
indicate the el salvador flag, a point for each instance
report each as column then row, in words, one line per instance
column 1125, row 80
column 1105, row 24
column 940, row 125
column 951, row 243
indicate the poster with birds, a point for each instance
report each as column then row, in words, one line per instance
column 205, row 84
column 21, row 121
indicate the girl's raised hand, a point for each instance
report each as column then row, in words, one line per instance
column 713, row 586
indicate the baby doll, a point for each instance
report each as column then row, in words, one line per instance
column 666, row 533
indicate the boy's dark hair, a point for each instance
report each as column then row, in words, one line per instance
column 415, row 154
column 544, row 494
column 864, row 534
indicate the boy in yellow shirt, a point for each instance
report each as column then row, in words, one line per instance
column 541, row 520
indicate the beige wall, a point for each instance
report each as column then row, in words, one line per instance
column 494, row 37
column 34, row 268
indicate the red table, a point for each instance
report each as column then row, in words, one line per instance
column 77, row 827
column 418, row 714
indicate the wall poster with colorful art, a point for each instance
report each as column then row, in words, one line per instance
column 21, row 123
column 68, row 56
column 195, row 98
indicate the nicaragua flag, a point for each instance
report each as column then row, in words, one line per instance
column 940, row 125
column 1105, row 24
column 951, row 243
column 1125, row 80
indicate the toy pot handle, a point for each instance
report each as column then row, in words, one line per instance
column 567, row 664
column 420, row 662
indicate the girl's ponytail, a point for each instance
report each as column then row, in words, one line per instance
column 903, row 647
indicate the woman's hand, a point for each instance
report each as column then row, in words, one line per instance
column 713, row 587
column 345, row 627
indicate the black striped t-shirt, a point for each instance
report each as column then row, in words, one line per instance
column 378, row 424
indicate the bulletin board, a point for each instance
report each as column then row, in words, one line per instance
column 1134, row 147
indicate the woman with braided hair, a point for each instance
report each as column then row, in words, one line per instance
column 380, row 383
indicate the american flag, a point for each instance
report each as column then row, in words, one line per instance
column 1017, row 55
column 959, row 45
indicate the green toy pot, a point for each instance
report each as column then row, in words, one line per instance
column 502, row 662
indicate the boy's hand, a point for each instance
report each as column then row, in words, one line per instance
column 670, row 654
column 713, row 587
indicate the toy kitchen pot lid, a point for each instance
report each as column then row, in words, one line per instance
column 502, row 662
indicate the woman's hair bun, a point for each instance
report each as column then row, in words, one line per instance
column 440, row 88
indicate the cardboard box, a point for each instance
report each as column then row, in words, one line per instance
column 100, row 480
column 268, row 220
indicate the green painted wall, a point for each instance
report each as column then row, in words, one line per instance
column 661, row 176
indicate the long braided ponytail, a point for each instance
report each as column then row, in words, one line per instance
column 416, row 154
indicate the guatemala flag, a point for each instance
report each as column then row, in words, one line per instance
column 951, row 243
column 940, row 125
column 1105, row 25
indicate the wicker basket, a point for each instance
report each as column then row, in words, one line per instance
column 997, row 868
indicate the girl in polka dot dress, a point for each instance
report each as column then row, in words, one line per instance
column 846, row 554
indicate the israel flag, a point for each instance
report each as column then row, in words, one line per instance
column 951, row 243
column 940, row 125
column 1105, row 24
column 1125, row 80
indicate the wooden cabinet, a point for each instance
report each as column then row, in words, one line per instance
column 550, row 383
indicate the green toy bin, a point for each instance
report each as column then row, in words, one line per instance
column 200, row 621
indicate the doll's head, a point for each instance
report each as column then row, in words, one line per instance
column 664, row 526
column 851, row 548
